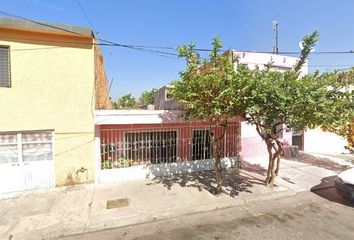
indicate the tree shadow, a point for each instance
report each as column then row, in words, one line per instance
column 255, row 168
column 234, row 181
column 321, row 162
column 327, row 190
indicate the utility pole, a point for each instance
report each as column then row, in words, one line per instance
column 276, row 30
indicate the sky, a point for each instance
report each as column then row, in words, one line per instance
column 241, row 25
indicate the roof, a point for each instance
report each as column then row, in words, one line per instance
column 44, row 26
column 108, row 117
column 260, row 58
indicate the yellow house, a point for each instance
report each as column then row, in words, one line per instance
column 52, row 78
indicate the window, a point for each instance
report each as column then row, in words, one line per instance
column 8, row 148
column 201, row 145
column 26, row 147
column 5, row 67
column 153, row 147
column 168, row 95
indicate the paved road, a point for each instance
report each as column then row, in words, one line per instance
column 320, row 215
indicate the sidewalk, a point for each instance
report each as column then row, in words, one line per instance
column 296, row 176
column 45, row 214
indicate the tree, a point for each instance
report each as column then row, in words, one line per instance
column 345, row 125
column 126, row 102
column 147, row 97
column 270, row 99
column 204, row 91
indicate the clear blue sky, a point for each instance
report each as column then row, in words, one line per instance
column 242, row 25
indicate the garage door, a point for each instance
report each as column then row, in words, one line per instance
column 26, row 161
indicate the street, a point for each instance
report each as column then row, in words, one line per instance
column 320, row 215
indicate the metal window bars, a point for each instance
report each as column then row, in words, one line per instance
column 121, row 148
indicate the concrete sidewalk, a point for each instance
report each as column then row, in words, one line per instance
column 297, row 175
column 45, row 214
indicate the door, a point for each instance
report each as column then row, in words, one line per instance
column 298, row 140
column 26, row 161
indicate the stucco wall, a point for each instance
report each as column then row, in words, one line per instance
column 53, row 88
column 318, row 141
column 162, row 103
column 252, row 145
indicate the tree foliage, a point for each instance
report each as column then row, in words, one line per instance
column 344, row 124
column 271, row 99
column 204, row 91
column 147, row 97
column 214, row 90
column 127, row 101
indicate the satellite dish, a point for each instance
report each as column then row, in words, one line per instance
column 301, row 46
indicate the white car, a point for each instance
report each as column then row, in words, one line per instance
column 345, row 184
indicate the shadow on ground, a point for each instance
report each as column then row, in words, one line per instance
column 255, row 168
column 321, row 162
column 234, row 181
column 327, row 190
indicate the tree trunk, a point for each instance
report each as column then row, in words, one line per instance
column 216, row 154
column 218, row 169
column 217, row 158
column 274, row 160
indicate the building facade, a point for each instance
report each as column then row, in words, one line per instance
column 52, row 79
column 148, row 143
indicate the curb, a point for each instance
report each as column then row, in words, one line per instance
column 132, row 221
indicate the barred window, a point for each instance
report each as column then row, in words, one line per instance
column 201, row 145
column 5, row 66
column 154, row 147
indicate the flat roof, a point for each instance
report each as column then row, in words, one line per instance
column 19, row 23
column 134, row 116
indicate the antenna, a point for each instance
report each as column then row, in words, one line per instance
column 276, row 30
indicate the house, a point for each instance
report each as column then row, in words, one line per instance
column 164, row 101
column 251, row 145
column 52, row 79
column 147, row 143
column 137, row 144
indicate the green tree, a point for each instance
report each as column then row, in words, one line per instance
column 270, row 100
column 127, row 101
column 204, row 91
column 345, row 125
column 147, row 97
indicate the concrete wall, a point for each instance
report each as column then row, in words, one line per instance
column 164, row 169
column 252, row 145
column 279, row 62
column 161, row 101
column 52, row 87
column 317, row 141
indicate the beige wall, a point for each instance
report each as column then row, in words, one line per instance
column 53, row 88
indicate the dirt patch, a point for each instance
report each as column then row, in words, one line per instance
column 117, row 203
column 319, row 162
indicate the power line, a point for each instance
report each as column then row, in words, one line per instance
column 147, row 48
column 110, row 43
column 86, row 16
column 41, row 23
column 330, row 65
column 344, row 69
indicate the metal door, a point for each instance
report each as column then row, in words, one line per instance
column 26, row 161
